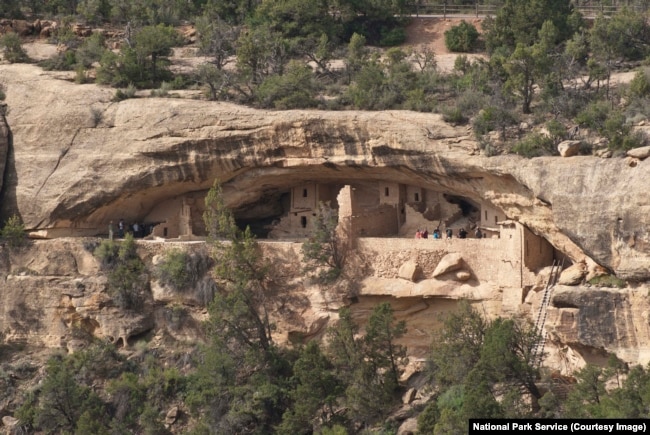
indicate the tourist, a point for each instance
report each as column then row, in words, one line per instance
column 120, row 229
column 418, row 234
column 436, row 233
column 136, row 230
column 110, row 230
column 425, row 234
column 462, row 233
column 478, row 233
column 450, row 233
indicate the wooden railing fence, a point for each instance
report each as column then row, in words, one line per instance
column 483, row 8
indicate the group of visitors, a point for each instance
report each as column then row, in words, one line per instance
column 462, row 233
column 137, row 230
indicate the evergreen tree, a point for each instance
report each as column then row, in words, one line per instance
column 315, row 394
column 326, row 248
column 519, row 21
column 244, row 367
column 370, row 366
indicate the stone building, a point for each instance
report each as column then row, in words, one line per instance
column 382, row 209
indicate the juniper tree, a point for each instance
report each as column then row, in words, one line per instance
column 325, row 250
column 242, row 383
column 370, row 366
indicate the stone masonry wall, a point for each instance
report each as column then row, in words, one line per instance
column 494, row 260
column 378, row 222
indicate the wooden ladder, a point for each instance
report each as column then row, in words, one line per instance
column 540, row 321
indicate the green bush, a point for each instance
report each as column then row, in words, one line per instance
column 535, row 145
column 91, row 51
column 594, row 115
column 392, row 37
column 65, row 61
column 612, row 124
column 470, row 102
column 107, row 252
column 13, row 49
column 173, row 271
column 485, row 121
column 163, row 90
column 556, row 130
column 454, row 115
column 13, row 233
column 125, row 94
column 294, row 89
column 640, row 85
column 607, row 281
column 462, row 38
column 126, row 273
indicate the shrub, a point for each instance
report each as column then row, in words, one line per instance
column 453, row 115
column 126, row 277
column 392, row 37
column 97, row 115
column 14, row 232
column 80, row 76
column 13, row 49
column 163, row 90
column 535, row 145
column 127, row 280
column 172, row 270
column 640, row 85
column 470, row 102
column 556, row 130
column 462, row 38
column 294, row 89
column 125, row 94
column 106, row 252
column 65, row 61
column 91, row 51
column 607, row 281
column 483, row 123
column 594, row 115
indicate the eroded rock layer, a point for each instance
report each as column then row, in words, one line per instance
column 82, row 159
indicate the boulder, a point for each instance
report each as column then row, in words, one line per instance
column 573, row 275
column 604, row 153
column 22, row 27
column 81, row 30
column 409, row 396
column 449, row 263
column 639, row 153
column 9, row 421
column 171, row 416
column 569, row 148
column 409, row 427
column 410, row 271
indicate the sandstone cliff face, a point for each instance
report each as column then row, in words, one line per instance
column 594, row 321
column 4, row 146
column 54, row 295
column 81, row 160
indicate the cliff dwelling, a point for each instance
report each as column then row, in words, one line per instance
column 368, row 208
column 379, row 216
